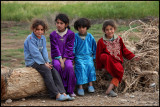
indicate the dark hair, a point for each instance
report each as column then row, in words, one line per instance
column 109, row 22
column 82, row 22
column 37, row 22
column 64, row 18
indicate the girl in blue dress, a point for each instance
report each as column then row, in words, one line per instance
column 85, row 52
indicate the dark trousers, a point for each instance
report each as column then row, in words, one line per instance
column 51, row 78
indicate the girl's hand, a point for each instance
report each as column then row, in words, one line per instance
column 62, row 63
column 136, row 58
column 48, row 65
column 64, row 59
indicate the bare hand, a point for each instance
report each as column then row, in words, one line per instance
column 64, row 59
column 48, row 65
column 136, row 58
column 62, row 65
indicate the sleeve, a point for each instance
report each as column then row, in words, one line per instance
column 94, row 46
column 125, row 52
column 58, row 57
column 68, row 51
column 44, row 52
column 74, row 47
column 55, row 52
column 99, row 50
column 35, row 53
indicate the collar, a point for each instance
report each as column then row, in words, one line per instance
column 36, row 36
column 82, row 34
column 112, row 39
column 62, row 33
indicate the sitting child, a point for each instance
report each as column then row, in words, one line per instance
column 85, row 51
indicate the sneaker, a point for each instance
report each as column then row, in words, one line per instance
column 73, row 95
column 62, row 98
column 112, row 94
column 90, row 89
column 80, row 92
column 70, row 98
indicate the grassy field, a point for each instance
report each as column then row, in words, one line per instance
column 25, row 11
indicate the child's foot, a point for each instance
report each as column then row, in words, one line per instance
column 73, row 95
column 112, row 94
column 80, row 92
column 90, row 89
column 70, row 98
column 62, row 98
column 64, row 94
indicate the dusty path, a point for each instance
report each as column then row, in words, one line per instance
column 95, row 99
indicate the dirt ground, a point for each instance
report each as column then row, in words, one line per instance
column 92, row 99
column 137, row 98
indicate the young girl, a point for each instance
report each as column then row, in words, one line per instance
column 62, row 41
column 85, row 52
column 109, row 55
column 36, row 56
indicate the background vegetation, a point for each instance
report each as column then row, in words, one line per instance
column 25, row 11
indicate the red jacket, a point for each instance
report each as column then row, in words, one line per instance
column 115, row 48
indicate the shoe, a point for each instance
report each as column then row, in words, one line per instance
column 62, row 98
column 90, row 89
column 73, row 95
column 80, row 92
column 112, row 94
column 70, row 98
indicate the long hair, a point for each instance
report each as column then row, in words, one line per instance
column 64, row 18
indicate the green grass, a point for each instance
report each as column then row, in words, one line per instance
column 25, row 12
column 125, row 28
column 12, row 52
column 103, row 10
column 15, row 32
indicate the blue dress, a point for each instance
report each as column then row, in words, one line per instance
column 85, row 52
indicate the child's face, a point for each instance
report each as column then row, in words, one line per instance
column 82, row 30
column 109, row 31
column 61, row 25
column 39, row 30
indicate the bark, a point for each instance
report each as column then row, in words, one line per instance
column 20, row 82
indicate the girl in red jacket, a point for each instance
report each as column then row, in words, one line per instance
column 109, row 55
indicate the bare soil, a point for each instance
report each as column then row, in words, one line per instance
column 92, row 99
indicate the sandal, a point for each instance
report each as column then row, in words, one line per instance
column 90, row 89
column 73, row 95
column 80, row 92
column 70, row 98
column 112, row 94
column 62, row 98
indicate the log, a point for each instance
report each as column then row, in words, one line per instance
column 20, row 82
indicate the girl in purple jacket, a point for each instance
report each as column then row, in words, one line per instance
column 62, row 42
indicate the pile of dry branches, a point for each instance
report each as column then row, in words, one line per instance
column 141, row 75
